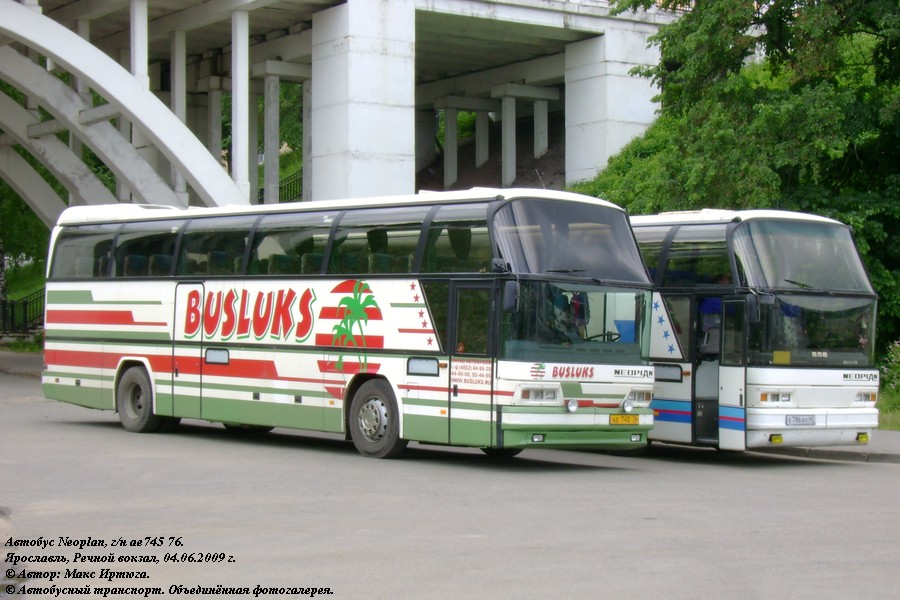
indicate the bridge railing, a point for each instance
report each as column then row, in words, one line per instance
column 290, row 189
column 22, row 316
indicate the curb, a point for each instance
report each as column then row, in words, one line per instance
column 836, row 454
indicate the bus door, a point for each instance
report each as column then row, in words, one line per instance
column 471, row 367
column 733, row 376
column 187, row 350
column 705, row 398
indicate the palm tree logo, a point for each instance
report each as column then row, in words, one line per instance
column 354, row 315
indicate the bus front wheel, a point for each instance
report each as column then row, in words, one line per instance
column 375, row 421
column 134, row 401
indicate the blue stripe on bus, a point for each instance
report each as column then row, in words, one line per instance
column 732, row 417
column 671, row 411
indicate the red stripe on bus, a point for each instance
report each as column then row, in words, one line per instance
column 337, row 313
column 415, row 331
column 374, row 342
column 96, row 317
column 349, row 287
column 348, row 367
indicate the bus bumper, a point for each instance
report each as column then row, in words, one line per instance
column 532, row 427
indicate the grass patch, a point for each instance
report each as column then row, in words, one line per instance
column 889, row 409
column 24, row 280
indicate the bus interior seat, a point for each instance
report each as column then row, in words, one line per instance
column 311, row 263
column 160, row 264
column 219, row 262
column 282, row 264
column 381, row 263
column 134, row 265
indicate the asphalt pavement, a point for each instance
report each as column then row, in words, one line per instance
column 884, row 446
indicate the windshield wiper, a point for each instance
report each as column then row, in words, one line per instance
column 805, row 286
column 566, row 271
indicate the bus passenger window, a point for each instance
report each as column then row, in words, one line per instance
column 472, row 321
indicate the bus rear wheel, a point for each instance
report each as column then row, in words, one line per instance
column 375, row 421
column 134, row 402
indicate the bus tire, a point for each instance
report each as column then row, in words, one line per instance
column 375, row 421
column 134, row 402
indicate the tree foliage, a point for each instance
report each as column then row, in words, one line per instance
column 791, row 104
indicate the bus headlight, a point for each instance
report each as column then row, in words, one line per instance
column 538, row 395
column 866, row 397
column 572, row 404
column 773, row 397
column 628, row 405
column 639, row 398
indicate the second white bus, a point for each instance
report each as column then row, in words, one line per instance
column 763, row 330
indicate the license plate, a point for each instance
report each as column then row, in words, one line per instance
column 800, row 420
column 624, row 419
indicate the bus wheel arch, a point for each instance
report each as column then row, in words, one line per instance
column 373, row 418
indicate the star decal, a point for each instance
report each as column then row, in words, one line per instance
column 656, row 306
column 666, row 334
column 660, row 320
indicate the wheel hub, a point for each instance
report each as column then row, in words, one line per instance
column 373, row 419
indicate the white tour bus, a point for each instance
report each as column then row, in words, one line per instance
column 494, row 319
column 763, row 330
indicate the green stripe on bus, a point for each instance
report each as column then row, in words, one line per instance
column 111, row 336
column 87, row 297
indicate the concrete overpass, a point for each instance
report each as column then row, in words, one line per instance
column 140, row 83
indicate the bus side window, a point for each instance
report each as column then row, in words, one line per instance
column 472, row 317
column 82, row 252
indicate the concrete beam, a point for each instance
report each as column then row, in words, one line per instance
column 467, row 103
column 59, row 159
column 284, row 71
column 529, row 92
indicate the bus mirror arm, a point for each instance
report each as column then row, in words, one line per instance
column 498, row 265
column 754, row 301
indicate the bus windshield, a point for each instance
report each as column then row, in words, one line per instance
column 579, row 239
column 814, row 330
column 799, row 255
column 575, row 322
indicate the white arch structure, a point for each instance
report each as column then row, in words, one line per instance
column 126, row 97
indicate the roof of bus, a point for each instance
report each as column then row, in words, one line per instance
column 718, row 215
column 106, row 213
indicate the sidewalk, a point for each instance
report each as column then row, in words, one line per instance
column 883, row 447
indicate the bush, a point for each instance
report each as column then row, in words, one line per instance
column 889, row 396
column 890, row 370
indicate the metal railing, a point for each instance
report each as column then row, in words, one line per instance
column 290, row 189
column 22, row 316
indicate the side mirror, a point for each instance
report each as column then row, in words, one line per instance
column 511, row 296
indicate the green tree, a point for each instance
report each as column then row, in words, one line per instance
column 785, row 104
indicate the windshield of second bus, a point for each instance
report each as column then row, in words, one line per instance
column 799, row 255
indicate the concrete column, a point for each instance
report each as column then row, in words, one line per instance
column 482, row 137
column 606, row 107
column 541, row 127
column 253, row 147
column 214, row 119
column 240, row 101
column 307, row 140
column 363, row 100
column 83, row 28
column 508, row 140
column 271, row 138
column 179, row 97
column 426, row 129
column 140, row 70
column 451, row 147
column 140, row 53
